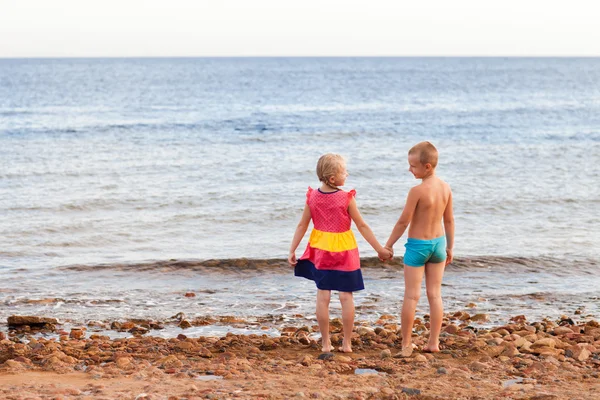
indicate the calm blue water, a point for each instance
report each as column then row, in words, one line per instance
column 124, row 160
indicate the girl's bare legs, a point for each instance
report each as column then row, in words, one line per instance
column 323, row 298
column 412, row 291
column 433, row 283
column 347, row 301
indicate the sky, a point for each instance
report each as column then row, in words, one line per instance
column 191, row 28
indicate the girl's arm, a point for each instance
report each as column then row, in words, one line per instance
column 405, row 218
column 300, row 231
column 366, row 231
column 449, row 229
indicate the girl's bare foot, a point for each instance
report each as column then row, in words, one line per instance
column 345, row 348
column 327, row 349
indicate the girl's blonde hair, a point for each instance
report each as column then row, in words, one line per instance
column 328, row 165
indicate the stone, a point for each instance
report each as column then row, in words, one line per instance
column 326, row 356
column 420, row 358
column 476, row 366
column 411, row 391
column 451, row 329
column 77, row 333
column 561, row 330
column 184, row 324
column 546, row 342
column 578, row 353
column 18, row 320
column 480, row 318
column 387, row 353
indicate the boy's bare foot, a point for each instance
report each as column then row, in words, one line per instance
column 405, row 352
column 431, row 349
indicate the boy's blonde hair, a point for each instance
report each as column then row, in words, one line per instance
column 328, row 165
column 427, row 153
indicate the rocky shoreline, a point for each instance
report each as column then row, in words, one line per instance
column 522, row 360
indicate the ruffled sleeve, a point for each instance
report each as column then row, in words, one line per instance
column 351, row 195
column 308, row 194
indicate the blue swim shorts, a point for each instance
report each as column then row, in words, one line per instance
column 420, row 252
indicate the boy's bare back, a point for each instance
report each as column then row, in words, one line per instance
column 431, row 200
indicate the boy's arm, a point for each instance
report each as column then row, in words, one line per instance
column 405, row 218
column 299, row 234
column 449, row 229
column 365, row 230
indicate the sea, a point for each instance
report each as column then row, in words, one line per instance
column 127, row 182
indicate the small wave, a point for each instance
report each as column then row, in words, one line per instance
column 242, row 265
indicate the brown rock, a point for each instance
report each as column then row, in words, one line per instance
column 510, row 350
column 17, row 320
column 562, row 330
column 77, row 333
column 579, row 353
column 451, row 329
column 420, row 358
column 546, row 342
column 480, row 318
column 476, row 366
column 185, row 324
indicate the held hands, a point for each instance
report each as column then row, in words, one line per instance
column 387, row 253
column 292, row 259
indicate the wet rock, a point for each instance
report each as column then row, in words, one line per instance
column 365, row 331
column 190, row 294
column 451, row 329
column 18, row 320
column 480, row 318
column 185, row 324
column 326, row 356
column 77, row 333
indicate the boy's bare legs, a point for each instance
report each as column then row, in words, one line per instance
column 323, row 298
column 412, row 291
column 434, row 273
column 347, row 301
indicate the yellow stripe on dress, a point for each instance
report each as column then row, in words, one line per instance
column 332, row 241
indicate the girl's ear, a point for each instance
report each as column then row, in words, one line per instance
column 428, row 167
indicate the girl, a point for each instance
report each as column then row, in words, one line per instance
column 331, row 257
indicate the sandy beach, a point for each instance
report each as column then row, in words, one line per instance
column 522, row 360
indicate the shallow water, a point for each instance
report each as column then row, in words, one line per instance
column 268, row 298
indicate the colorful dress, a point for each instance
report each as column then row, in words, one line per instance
column 331, row 258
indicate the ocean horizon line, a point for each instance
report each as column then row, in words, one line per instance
column 229, row 57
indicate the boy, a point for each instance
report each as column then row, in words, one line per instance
column 427, row 250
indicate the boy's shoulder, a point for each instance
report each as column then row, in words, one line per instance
column 424, row 187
